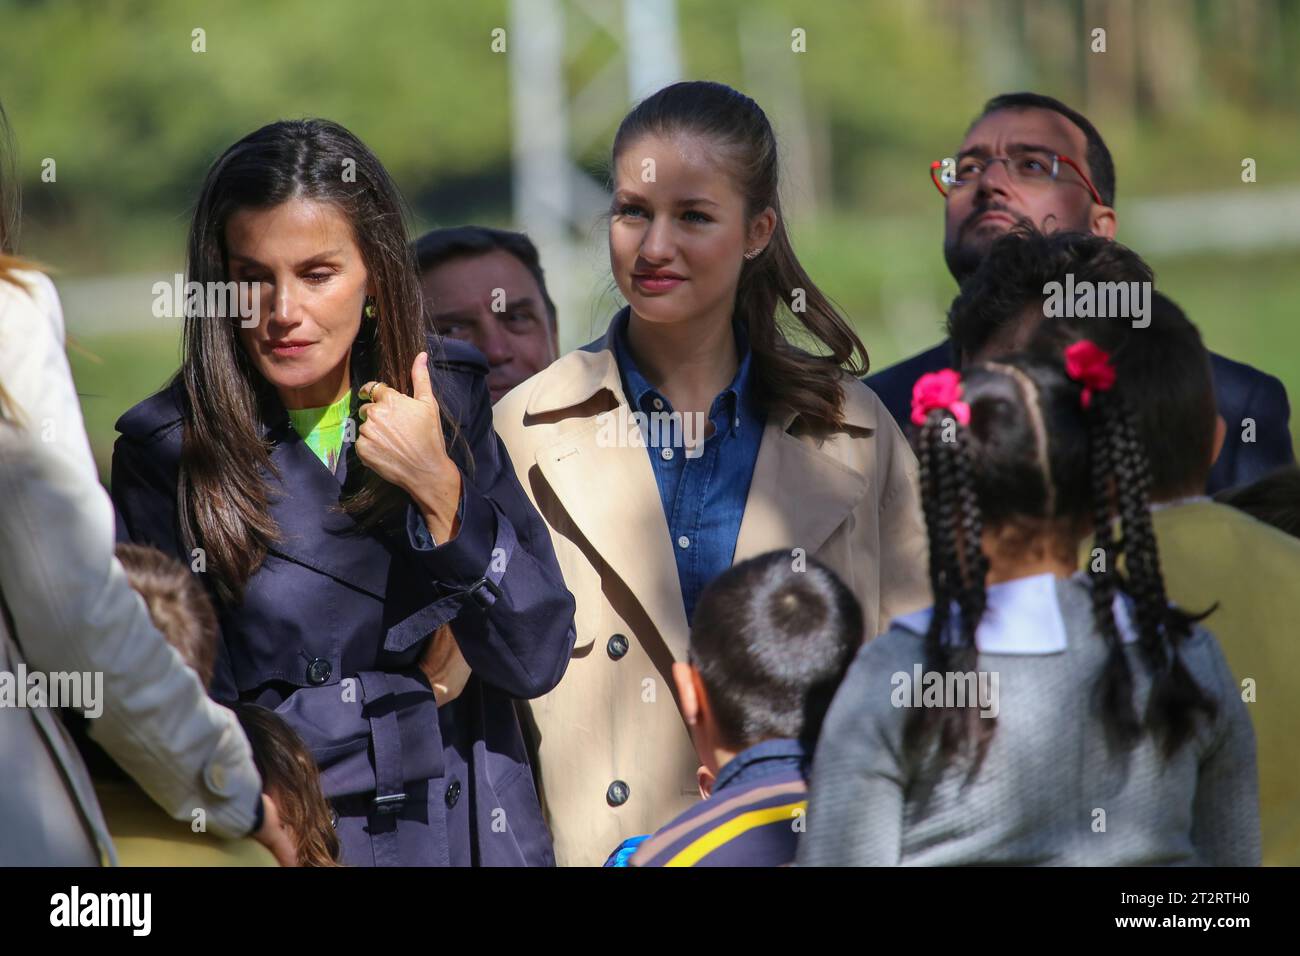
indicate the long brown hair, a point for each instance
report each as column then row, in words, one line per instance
column 784, row 375
column 223, row 493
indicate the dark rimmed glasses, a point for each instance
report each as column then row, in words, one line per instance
column 1029, row 167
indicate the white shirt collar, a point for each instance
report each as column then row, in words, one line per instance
column 1022, row 616
column 1176, row 502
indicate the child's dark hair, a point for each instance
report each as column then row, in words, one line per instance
column 772, row 638
column 1012, row 276
column 177, row 604
column 1033, row 457
column 292, row 779
column 742, row 139
column 1165, row 377
column 1274, row 499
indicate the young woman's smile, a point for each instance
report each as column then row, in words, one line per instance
column 656, row 281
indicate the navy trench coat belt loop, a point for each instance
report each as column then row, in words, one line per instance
column 389, row 777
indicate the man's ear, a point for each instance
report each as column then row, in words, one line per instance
column 1220, row 435
column 684, row 681
column 1103, row 222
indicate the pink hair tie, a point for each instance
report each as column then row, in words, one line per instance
column 1089, row 364
column 939, row 390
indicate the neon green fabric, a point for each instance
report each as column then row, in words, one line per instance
column 322, row 429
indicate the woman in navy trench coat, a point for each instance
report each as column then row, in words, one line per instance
column 328, row 613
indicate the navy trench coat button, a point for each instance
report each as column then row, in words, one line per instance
column 453, row 794
column 617, row 646
column 617, row 793
column 318, row 671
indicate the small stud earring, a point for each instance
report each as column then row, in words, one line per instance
column 753, row 253
column 369, row 310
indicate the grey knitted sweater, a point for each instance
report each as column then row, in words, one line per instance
column 1049, row 792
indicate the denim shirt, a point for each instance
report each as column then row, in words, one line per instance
column 703, row 496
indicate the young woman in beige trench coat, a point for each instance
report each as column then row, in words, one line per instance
column 778, row 448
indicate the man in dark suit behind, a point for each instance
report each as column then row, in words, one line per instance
column 998, row 179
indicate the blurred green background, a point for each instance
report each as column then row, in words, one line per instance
column 132, row 116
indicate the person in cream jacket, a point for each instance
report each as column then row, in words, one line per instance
column 615, row 756
column 68, row 608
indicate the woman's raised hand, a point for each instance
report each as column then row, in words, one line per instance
column 401, row 440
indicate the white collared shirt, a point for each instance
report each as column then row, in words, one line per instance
column 1022, row 616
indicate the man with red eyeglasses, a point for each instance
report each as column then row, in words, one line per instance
column 1029, row 157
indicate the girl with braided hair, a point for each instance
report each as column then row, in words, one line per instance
column 1037, row 714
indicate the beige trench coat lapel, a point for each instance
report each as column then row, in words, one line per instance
column 799, row 494
column 621, row 514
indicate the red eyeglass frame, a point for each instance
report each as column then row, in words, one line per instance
column 1057, row 158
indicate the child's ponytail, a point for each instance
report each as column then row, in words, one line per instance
column 958, row 565
column 1121, row 481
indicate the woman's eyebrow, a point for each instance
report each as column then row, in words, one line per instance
column 625, row 195
column 317, row 259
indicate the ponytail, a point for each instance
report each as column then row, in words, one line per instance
column 1121, row 481
column 805, row 382
column 958, row 565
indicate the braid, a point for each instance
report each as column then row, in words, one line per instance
column 1115, row 687
column 952, row 518
column 930, row 455
column 966, row 726
column 1175, row 695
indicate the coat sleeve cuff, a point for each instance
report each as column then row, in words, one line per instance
column 465, row 558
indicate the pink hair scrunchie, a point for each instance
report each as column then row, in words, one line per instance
column 939, row 390
column 1089, row 364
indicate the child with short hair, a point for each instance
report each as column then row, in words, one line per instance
column 1114, row 733
column 769, row 643
column 142, row 833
